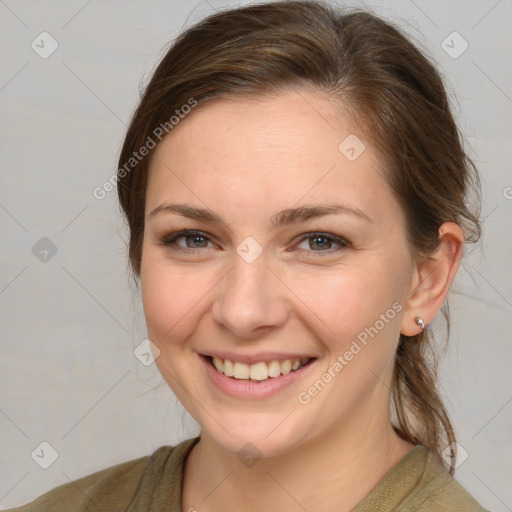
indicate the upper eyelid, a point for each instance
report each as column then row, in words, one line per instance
column 172, row 237
column 342, row 241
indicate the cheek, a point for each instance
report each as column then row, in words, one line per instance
column 360, row 315
column 347, row 300
column 172, row 297
column 364, row 311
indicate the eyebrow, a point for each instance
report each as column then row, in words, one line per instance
column 284, row 217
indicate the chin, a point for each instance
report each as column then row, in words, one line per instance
column 255, row 435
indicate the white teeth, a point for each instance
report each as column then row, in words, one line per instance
column 258, row 371
column 229, row 370
column 241, row 371
column 274, row 369
column 286, row 367
column 218, row 364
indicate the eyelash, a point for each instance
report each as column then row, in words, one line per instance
column 170, row 241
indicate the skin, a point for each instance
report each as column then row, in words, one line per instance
column 246, row 160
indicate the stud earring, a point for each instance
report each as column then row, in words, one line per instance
column 420, row 323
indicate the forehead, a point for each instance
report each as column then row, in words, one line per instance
column 297, row 146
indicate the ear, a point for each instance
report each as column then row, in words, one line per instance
column 433, row 278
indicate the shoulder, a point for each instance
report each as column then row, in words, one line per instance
column 110, row 489
column 438, row 490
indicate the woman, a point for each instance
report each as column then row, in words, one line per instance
column 296, row 189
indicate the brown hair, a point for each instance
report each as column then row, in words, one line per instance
column 393, row 93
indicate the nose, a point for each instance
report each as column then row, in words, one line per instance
column 251, row 299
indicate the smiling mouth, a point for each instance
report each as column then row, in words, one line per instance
column 260, row 371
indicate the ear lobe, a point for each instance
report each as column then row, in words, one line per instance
column 434, row 277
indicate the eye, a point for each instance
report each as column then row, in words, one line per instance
column 189, row 240
column 192, row 240
column 322, row 242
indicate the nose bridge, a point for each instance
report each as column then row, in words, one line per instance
column 249, row 297
column 249, row 277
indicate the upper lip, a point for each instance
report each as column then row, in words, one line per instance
column 254, row 358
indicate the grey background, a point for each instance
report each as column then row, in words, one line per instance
column 68, row 375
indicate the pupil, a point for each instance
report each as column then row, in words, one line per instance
column 321, row 245
column 196, row 240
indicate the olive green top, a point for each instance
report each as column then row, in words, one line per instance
column 417, row 483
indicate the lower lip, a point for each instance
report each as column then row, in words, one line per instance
column 245, row 388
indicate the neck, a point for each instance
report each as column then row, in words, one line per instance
column 342, row 467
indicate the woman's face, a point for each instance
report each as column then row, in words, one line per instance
column 268, row 278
